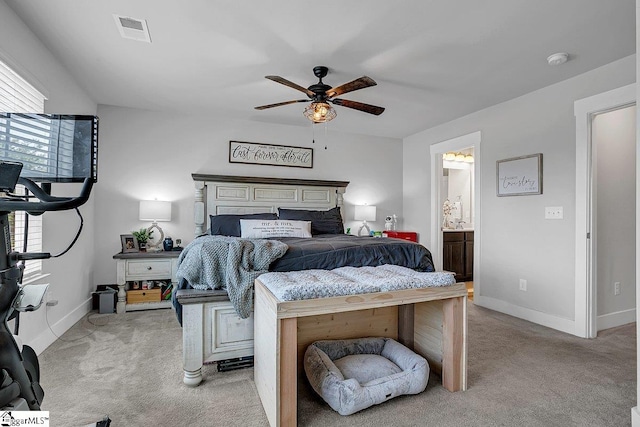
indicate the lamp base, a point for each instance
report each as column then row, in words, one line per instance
column 157, row 245
column 364, row 225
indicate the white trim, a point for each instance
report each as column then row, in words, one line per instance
column 635, row 417
column 25, row 74
column 584, row 109
column 35, row 278
column 619, row 318
column 559, row 323
column 436, row 150
column 49, row 336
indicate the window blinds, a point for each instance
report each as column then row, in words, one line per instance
column 18, row 96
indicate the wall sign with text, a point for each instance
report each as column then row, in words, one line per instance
column 519, row 176
column 269, row 154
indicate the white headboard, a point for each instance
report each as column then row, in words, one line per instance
column 226, row 194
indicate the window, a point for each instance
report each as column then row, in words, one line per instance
column 18, row 96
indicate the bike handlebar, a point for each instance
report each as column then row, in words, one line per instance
column 47, row 202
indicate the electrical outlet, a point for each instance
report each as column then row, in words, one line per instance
column 553, row 212
column 50, row 298
column 523, row 285
column 616, row 288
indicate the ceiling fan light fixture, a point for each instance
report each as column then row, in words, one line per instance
column 320, row 112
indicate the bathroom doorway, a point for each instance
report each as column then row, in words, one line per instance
column 456, row 199
column 455, row 208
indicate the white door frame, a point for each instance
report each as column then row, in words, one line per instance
column 436, row 151
column 585, row 289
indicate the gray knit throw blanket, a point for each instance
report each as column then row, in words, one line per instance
column 231, row 263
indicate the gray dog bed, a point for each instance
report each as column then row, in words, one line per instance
column 351, row 375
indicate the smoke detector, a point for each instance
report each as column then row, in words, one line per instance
column 132, row 28
column 558, row 58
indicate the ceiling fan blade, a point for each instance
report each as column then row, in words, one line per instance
column 286, row 82
column 367, row 108
column 360, row 83
column 264, row 107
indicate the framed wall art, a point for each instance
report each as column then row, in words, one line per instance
column 519, row 176
column 270, row 154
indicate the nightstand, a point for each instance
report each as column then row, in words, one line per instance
column 144, row 266
column 405, row 235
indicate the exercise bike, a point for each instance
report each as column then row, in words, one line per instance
column 20, row 388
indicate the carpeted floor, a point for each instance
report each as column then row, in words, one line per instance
column 520, row 374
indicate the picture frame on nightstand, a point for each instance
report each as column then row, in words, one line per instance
column 129, row 243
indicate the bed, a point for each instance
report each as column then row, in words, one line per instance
column 212, row 329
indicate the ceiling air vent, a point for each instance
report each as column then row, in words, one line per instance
column 133, row 28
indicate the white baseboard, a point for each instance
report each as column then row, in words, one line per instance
column 544, row 319
column 46, row 338
column 635, row 417
column 619, row 318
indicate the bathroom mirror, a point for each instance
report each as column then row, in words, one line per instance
column 457, row 187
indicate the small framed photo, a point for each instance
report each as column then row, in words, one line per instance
column 129, row 243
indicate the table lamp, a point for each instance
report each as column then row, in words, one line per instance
column 365, row 213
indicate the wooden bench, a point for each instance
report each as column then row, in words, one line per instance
column 430, row 321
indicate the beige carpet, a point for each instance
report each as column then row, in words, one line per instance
column 520, row 374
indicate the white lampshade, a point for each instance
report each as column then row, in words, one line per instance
column 365, row 213
column 155, row 210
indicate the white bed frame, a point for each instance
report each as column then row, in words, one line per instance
column 211, row 329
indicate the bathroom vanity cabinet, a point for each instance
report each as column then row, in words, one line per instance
column 458, row 254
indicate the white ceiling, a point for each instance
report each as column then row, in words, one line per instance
column 433, row 60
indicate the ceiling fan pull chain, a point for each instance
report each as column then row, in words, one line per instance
column 313, row 133
column 325, row 135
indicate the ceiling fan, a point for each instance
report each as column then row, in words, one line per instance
column 320, row 94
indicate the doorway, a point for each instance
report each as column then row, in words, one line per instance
column 451, row 186
column 614, row 211
column 603, row 282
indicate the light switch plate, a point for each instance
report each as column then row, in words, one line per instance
column 553, row 212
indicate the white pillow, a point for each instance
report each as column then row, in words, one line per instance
column 264, row 229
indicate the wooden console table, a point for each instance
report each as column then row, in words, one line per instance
column 431, row 321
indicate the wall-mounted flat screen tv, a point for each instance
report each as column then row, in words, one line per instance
column 51, row 147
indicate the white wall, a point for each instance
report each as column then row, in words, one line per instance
column 516, row 241
column 613, row 142
column 71, row 279
column 147, row 155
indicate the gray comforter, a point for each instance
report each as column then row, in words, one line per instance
column 231, row 263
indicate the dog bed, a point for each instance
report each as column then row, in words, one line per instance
column 352, row 375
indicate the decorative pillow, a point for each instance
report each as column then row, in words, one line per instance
column 322, row 222
column 229, row 225
column 264, row 229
